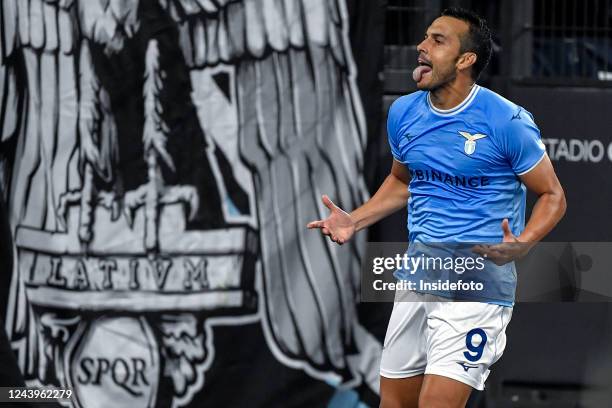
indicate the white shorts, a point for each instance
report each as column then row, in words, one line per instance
column 428, row 334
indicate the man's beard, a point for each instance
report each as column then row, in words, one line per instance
column 442, row 78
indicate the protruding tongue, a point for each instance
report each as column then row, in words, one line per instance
column 418, row 72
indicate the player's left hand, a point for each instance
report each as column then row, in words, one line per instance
column 509, row 250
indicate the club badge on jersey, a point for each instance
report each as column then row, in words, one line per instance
column 470, row 144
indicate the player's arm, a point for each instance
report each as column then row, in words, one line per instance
column 550, row 206
column 390, row 197
column 547, row 212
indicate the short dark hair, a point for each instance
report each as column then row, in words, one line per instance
column 478, row 39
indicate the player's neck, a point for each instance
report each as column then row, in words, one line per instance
column 451, row 94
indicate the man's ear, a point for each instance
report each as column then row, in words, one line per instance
column 466, row 60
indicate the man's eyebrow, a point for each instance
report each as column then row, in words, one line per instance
column 435, row 35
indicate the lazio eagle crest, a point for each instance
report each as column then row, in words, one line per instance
column 470, row 143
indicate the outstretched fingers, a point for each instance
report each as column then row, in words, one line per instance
column 335, row 239
column 324, row 225
column 328, row 202
column 315, row 224
column 319, row 224
column 508, row 235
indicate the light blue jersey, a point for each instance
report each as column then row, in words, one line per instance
column 464, row 165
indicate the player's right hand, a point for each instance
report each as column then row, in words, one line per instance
column 339, row 226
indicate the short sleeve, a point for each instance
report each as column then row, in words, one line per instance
column 393, row 128
column 522, row 142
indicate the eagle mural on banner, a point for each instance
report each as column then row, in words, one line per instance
column 160, row 159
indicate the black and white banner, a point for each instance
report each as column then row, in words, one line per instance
column 159, row 160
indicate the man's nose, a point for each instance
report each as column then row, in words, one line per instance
column 421, row 47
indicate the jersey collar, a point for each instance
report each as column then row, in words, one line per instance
column 453, row 111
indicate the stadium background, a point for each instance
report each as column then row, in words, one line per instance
column 554, row 57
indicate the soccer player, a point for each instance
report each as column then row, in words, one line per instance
column 463, row 156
